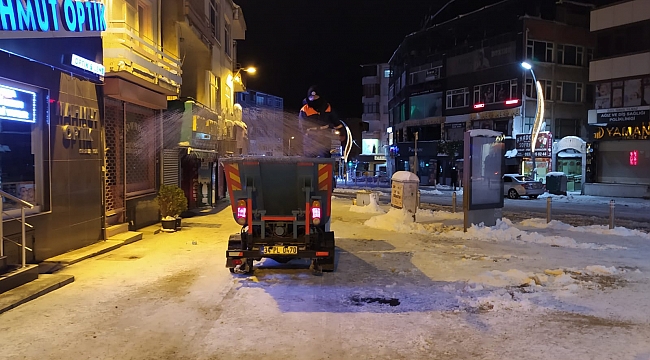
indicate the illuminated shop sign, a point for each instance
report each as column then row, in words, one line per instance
column 51, row 15
column 88, row 65
column 633, row 132
column 17, row 104
column 640, row 113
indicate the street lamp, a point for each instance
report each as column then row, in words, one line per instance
column 237, row 77
column 291, row 138
column 539, row 115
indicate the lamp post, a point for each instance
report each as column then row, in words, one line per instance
column 291, row 138
column 539, row 115
column 237, row 77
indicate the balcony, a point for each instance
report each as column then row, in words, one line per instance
column 198, row 19
column 140, row 60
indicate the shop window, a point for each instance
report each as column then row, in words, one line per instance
column 140, row 127
column 23, row 145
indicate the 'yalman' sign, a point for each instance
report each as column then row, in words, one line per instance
column 636, row 132
column 52, row 15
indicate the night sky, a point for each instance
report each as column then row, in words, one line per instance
column 295, row 44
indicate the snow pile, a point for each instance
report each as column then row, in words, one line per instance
column 512, row 277
column 424, row 215
column 398, row 220
column 505, row 231
column 372, row 208
column 593, row 229
column 431, row 192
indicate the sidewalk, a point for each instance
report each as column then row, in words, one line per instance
column 48, row 280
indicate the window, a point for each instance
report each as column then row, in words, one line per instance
column 23, row 143
column 371, row 108
column 566, row 127
column 371, row 90
column 570, row 55
column 531, row 92
column 227, row 40
column 495, row 92
column 215, row 10
column 530, row 121
column 213, row 91
column 539, row 51
column 457, row 98
column 427, row 105
column 568, row 91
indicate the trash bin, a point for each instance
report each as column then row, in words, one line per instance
column 405, row 193
column 556, row 183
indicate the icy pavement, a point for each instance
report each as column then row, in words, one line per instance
column 402, row 290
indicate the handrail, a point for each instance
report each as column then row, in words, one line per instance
column 16, row 200
column 23, row 204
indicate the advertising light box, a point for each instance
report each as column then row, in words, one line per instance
column 17, row 104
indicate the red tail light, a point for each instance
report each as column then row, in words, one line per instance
column 315, row 212
column 241, row 212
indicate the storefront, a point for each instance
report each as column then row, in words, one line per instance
column 543, row 154
column 51, row 146
column 569, row 157
column 191, row 137
column 431, row 169
column 619, row 159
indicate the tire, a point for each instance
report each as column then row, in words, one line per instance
column 533, row 196
column 513, row 194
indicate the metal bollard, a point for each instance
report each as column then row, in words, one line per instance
column 453, row 202
column 611, row 214
column 548, row 210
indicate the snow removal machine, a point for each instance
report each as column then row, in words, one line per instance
column 283, row 205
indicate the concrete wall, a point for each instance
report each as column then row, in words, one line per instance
column 617, row 190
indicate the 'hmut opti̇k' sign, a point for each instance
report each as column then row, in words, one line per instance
column 50, row 15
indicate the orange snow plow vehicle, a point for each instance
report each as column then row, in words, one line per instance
column 284, row 206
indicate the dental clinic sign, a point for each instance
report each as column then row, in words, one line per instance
column 52, row 15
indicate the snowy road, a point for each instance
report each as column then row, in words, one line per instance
column 401, row 291
column 630, row 209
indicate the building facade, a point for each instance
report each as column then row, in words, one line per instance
column 619, row 136
column 263, row 115
column 140, row 74
column 374, row 147
column 465, row 73
column 51, row 126
column 202, row 123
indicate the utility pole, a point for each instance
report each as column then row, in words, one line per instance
column 416, row 165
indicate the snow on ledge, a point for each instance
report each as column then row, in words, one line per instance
column 484, row 132
column 405, row 176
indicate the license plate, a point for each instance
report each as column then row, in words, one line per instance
column 280, row 250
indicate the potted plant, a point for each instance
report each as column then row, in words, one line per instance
column 172, row 202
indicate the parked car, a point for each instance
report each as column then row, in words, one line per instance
column 515, row 185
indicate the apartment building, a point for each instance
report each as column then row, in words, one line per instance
column 619, row 132
column 465, row 73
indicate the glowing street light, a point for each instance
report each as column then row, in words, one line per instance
column 539, row 115
column 291, row 138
